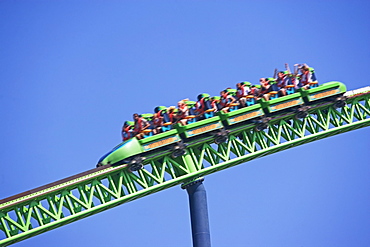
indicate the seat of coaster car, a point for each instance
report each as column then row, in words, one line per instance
column 208, row 110
column 273, row 94
column 313, row 84
column 233, row 106
column 147, row 131
column 149, row 117
column 250, row 100
column 192, row 111
column 290, row 89
column 232, row 92
column 167, row 123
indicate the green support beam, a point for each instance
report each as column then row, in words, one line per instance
column 68, row 200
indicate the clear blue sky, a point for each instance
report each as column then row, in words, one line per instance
column 71, row 72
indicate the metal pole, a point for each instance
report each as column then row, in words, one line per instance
column 198, row 213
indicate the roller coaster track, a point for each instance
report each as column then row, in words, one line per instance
column 42, row 209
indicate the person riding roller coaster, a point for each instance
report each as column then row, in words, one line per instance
column 226, row 101
column 127, row 130
column 255, row 90
column 283, row 80
column 139, row 126
column 215, row 101
column 243, row 89
column 204, row 107
column 158, row 119
column 265, row 89
column 307, row 78
column 182, row 112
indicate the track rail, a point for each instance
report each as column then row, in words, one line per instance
column 65, row 201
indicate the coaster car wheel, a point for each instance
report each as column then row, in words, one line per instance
column 178, row 150
column 340, row 102
column 262, row 124
column 302, row 112
column 136, row 164
column 221, row 136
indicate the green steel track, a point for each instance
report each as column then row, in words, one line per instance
column 36, row 211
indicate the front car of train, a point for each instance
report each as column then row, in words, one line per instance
column 119, row 153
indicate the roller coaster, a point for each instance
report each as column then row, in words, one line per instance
column 181, row 155
column 216, row 126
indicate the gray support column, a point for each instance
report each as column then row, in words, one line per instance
column 198, row 213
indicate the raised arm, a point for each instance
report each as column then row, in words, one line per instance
column 275, row 73
column 287, row 68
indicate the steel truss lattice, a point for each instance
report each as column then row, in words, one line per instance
column 106, row 187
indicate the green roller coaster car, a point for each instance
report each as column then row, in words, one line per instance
column 125, row 151
column 241, row 115
column 132, row 151
column 329, row 90
column 200, row 127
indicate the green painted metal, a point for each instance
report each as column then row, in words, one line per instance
column 241, row 115
column 132, row 147
column 165, row 138
column 325, row 90
column 63, row 202
column 200, row 127
column 282, row 103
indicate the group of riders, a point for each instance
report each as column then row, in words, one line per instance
column 245, row 94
